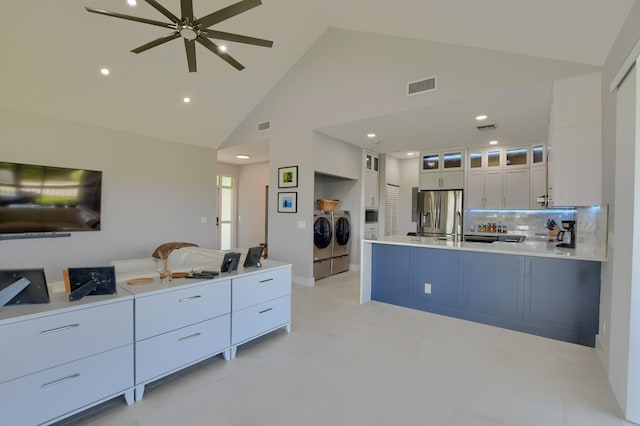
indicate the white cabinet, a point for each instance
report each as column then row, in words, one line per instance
column 575, row 154
column 484, row 190
column 516, row 188
column 261, row 304
column 371, row 231
column 442, row 170
column 371, row 190
column 55, row 357
column 501, row 178
column 178, row 326
column 371, row 180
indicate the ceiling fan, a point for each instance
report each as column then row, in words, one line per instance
column 195, row 30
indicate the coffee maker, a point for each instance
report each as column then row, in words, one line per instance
column 567, row 235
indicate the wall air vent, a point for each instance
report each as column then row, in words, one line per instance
column 264, row 126
column 421, row 86
column 488, row 127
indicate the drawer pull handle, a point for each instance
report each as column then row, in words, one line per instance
column 189, row 337
column 266, row 310
column 186, row 299
column 64, row 379
column 63, row 328
column 266, row 281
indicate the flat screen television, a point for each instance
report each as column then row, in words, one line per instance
column 35, row 199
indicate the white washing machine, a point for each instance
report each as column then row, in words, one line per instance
column 322, row 243
column 341, row 241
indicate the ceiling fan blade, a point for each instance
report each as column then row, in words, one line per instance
column 227, row 12
column 130, row 18
column 186, row 7
column 220, row 35
column 156, row 42
column 214, row 48
column 190, row 48
column 160, row 8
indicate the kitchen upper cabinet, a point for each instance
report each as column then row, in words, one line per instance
column 516, row 188
column 442, row 170
column 371, row 162
column 371, row 190
column 575, row 142
column 484, row 190
column 538, row 192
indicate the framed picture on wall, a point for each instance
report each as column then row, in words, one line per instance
column 287, row 202
column 288, row 177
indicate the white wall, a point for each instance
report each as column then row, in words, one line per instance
column 252, row 180
column 615, row 304
column 347, row 76
column 152, row 192
column 409, row 178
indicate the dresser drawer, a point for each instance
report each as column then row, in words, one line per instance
column 170, row 310
column 258, row 288
column 255, row 320
column 163, row 354
column 33, row 345
column 54, row 392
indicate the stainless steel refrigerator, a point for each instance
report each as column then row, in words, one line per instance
column 440, row 213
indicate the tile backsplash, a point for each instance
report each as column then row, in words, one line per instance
column 591, row 222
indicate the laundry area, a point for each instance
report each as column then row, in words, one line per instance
column 333, row 225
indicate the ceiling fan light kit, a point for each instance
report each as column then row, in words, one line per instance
column 193, row 30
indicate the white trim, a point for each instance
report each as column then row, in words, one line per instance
column 625, row 67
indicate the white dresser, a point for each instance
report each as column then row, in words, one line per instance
column 179, row 324
column 189, row 320
column 261, row 303
column 63, row 357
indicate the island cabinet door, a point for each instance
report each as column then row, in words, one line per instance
column 494, row 285
column 438, row 276
column 391, row 273
column 564, row 294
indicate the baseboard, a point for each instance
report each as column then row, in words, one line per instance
column 602, row 353
column 308, row 282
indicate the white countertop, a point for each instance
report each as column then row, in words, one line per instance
column 526, row 248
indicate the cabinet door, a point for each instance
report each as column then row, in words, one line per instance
column 494, row 283
column 475, row 190
column 493, row 189
column 452, row 160
column 564, row 294
column 538, row 187
column 439, row 273
column 391, row 273
column 516, row 189
column 452, row 180
column 371, row 190
column 429, row 181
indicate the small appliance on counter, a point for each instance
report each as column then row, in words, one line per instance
column 567, row 235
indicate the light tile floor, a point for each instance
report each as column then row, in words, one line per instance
column 378, row 364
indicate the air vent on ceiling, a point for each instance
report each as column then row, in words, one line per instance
column 264, row 126
column 421, row 86
column 488, row 127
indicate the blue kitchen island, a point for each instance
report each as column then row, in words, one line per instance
column 531, row 287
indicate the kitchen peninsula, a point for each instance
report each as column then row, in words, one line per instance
column 533, row 287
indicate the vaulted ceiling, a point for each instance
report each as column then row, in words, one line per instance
column 52, row 52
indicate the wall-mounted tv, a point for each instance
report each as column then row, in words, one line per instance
column 35, row 199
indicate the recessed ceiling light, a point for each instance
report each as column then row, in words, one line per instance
column 411, row 154
column 186, row 100
column 371, row 135
column 243, row 156
column 104, row 71
column 493, row 143
column 222, row 48
column 132, row 2
column 481, row 117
